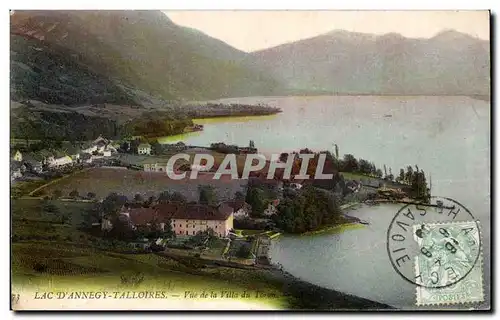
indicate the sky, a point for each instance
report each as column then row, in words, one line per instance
column 255, row 30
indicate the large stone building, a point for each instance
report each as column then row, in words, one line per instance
column 197, row 217
column 185, row 219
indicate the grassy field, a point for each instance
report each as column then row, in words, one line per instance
column 44, row 220
column 69, row 267
column 49, row 254
column 103, row 181
column 21, row 188
column 355, row 176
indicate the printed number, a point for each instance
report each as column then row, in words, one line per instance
column 426, row 252
column 444, row 232
column 450, row 247
column 14, row 298
column 434, row 275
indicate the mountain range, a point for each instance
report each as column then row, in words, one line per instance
column 78, row 58
column 137, row 57
column 450, row 63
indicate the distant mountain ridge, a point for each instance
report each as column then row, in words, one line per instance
column 342, row 62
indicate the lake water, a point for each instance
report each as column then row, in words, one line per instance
column 447, row 137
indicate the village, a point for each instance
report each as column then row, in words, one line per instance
column 130, row 199
column 176, row 222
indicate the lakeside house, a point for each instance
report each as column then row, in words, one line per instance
column 296, row 186
column 155, row 166
column 197, row 217
column 136, row 218
column 68, row 154
column 15, row 170
column 272, row 208
column 100, row 145
column 33, row 163
column 185, row 219
column 144, row 148
column 106, row 153
column 241, row 209
column 58, row 159
column 73, row 153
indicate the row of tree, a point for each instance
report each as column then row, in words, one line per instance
column 73, row 126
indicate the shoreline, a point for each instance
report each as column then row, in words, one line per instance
column 308, row 296
column 299, row 294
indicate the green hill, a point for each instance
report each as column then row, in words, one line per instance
column 127, row 57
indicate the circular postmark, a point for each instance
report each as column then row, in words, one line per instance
column 434, row 245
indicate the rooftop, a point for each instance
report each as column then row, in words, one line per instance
column 166, row 211
column 237, row 204
column 203, row 212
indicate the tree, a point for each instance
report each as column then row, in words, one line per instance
column 243, row 251
column 74, row 194
column 121, row 229
column 207, row 195
column 364, row 166
column 151, row 200
column 178, row 197
column 112, row 204
column 419, row 188
column 251, row 144
column 390, row 177
column 378, row 173
column 336, row 151
column 238, row 195
column 164, row 196
column 125, row 146
column 308, row 210
column 134, row 144
column 283, row 157
column 138, row 197
column 91, row 195
column 256, row 198
column 409, row 175
column 156, row 148
column 402, row 175
column 350, row 164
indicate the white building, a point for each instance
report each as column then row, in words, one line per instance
column 144, row 148
column 59, row 161
column 271, row 208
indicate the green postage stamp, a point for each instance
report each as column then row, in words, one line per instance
column 448, row 268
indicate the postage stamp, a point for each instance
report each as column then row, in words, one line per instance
column 448, row 267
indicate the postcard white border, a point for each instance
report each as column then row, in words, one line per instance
column 193, row 5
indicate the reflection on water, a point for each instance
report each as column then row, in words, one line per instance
column 233, row 119
column 178, row 137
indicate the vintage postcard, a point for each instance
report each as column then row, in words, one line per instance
column 250, row 160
